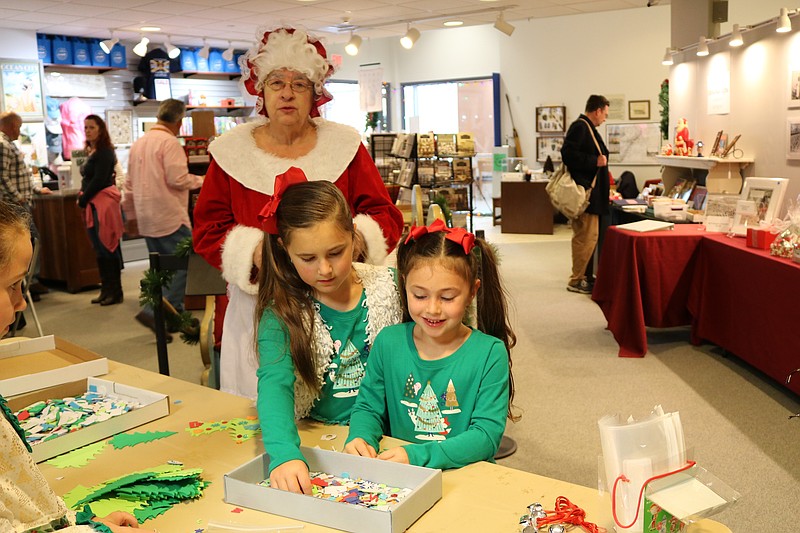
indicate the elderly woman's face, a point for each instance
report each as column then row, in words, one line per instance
column 288, row 96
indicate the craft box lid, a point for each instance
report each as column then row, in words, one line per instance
column 153, row 406
column 32, row 364
column 241, row 488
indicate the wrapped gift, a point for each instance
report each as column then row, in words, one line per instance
column 788, row 238
column 760, row 238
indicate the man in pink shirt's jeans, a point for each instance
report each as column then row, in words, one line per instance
column 157, row 194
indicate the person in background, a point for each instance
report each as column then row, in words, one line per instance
column 156, row 194
column 100, row 199
column 580, row 154
column 318, row 314
column 286, row 71
column 433, row 381
column 27, row 503
column 17, row 185
column 627, row 187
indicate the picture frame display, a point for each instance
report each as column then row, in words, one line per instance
column 120, row 126
column 793, row 138
column 550, row 119
column 794, row 88
column 549, row 146
column 761, row 200
column 21, row 89
column 639, row 110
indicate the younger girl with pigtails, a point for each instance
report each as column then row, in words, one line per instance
column 433, row 381
column 317, row 315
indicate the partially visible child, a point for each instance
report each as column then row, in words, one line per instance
column 318, row 314
column 435, row 382
column 27, row 503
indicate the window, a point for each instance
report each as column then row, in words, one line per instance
column 345, row 107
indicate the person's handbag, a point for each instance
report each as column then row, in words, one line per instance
column 567, row 196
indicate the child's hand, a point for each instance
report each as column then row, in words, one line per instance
column 360, row 447
column 291, row 476
column 395, row 455
column 120, row 522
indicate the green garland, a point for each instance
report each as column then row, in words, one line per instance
column 148, row 296
column 448, row 215
column 663, row 101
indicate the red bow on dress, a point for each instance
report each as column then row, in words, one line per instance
column 459, row 236
column 269, row 222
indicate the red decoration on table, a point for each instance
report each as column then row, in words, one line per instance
column 760, row 238
column 567, row 512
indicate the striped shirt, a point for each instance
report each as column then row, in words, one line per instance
column 15, row 178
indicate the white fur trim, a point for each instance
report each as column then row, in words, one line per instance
column 236, row 153
column 237, row 256
column 377, row 249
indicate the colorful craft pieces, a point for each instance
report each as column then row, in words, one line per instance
column 79, row 457
column 355, row 491
column 43, row 421
column 239, row 429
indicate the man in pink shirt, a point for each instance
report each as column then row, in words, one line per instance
column 157, row 194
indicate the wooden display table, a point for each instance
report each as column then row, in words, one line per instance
column 480, row 497
column 66, row 252
column 526, row 207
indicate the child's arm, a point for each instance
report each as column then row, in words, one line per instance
column 275, row 405
column 367, row 421
column 482, row 438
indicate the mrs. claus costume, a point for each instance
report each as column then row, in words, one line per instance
column 240, row 180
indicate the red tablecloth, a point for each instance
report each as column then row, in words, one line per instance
column 644, row 280
column 748, row 302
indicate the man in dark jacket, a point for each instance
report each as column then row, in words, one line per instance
column 586, row 157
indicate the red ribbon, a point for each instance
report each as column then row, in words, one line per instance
column 269, row 222
column 459, row 236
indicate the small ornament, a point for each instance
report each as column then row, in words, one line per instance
column 557, row 528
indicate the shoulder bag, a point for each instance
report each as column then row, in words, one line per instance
column 566, row 195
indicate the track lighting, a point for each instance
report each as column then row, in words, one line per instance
column 353, row 45
column 204, row 51
column 702, row 47
column 784, row 24
column 736, row 36
column 667, row 58
column 411, row 36
column 108, row 44
column 502, row 25
column 172, row 50
column 227, row 55
column 141, row 48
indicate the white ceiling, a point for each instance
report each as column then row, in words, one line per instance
column 189, row 21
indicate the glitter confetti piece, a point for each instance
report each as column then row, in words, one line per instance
column 328, row 436
column 132, row 439
column 79, row 457
column 237, row 510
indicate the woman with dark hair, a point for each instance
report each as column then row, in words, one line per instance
column 100, row 199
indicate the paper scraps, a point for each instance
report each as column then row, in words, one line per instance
column 239, row 429
column 146, row 493
column 79, row 457
column 132, row 439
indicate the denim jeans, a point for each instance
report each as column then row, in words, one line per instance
column 166, row 245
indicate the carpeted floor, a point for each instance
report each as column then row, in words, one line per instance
column 567, row 376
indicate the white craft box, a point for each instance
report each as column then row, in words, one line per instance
column 241, row 488
column 32, row 364
column 153, row 406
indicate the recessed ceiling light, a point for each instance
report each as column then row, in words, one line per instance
column 150, row 28
column 453, row 22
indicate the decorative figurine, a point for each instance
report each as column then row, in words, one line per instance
column 683, row 144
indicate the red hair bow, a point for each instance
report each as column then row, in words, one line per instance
column 459, row 236
column 269, row 222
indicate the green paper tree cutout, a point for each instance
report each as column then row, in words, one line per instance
column 132, row 439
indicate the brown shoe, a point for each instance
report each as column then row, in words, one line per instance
column 148, row 321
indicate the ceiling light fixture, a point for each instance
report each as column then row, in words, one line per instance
column 205, row 50
column 141, row 48
column 353, row 45
column 108, row 44
column 227, row 55
column 784, row 24
column 172, row 50
column 451, row 23
column 736, row 36
column 502, row 25
column 702, row 47
column 149, row 28
column 411, row 36
column 667, row 61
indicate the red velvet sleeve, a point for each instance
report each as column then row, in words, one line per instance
column 213, row 215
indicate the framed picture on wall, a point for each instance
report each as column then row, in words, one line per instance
column 550, row 119
column 793, row 138
column 21, row 89
column 120, row 125
column 549, row 146
column 794, row 88
column 639, row 110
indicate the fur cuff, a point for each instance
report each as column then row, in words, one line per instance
column 237, row 257
column 377, row 250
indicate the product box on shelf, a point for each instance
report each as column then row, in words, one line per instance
column 446, row 144
column 188, row 59
column 462, row 170
column 62, row 50
column 426, row 145
column 242, row 488
column 118, row 56
column 152, row 406
column 99, row 58
column 465, row 144
column 202, row 62
column 443, row 171
column 760, row 238
column 31, row 364
column 215, row 61
column 44, row 46
column 80, row 52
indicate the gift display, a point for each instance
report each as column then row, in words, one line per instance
column 787, row 241
column 426, row 145
column 446, row 144
column 760, row 238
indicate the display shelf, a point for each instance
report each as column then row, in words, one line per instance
column 212, row 107
column 723, row 175
column 190, row 73
column 95, row 68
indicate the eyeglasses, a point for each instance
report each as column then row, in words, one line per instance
column 297, row 86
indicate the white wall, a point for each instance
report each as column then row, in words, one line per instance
column 18, row 44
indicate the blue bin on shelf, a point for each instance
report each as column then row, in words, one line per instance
column 232, row 66
column 80, row 52
column 215, row 61
column 99, row 58
column 117, row 58
column 202, row 63
column 44, row 46
column 62, row 50
column 188, row 59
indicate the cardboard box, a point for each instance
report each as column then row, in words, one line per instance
column 241, row 488
column 760, row 238
column 28, row 365
column 154, row 406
